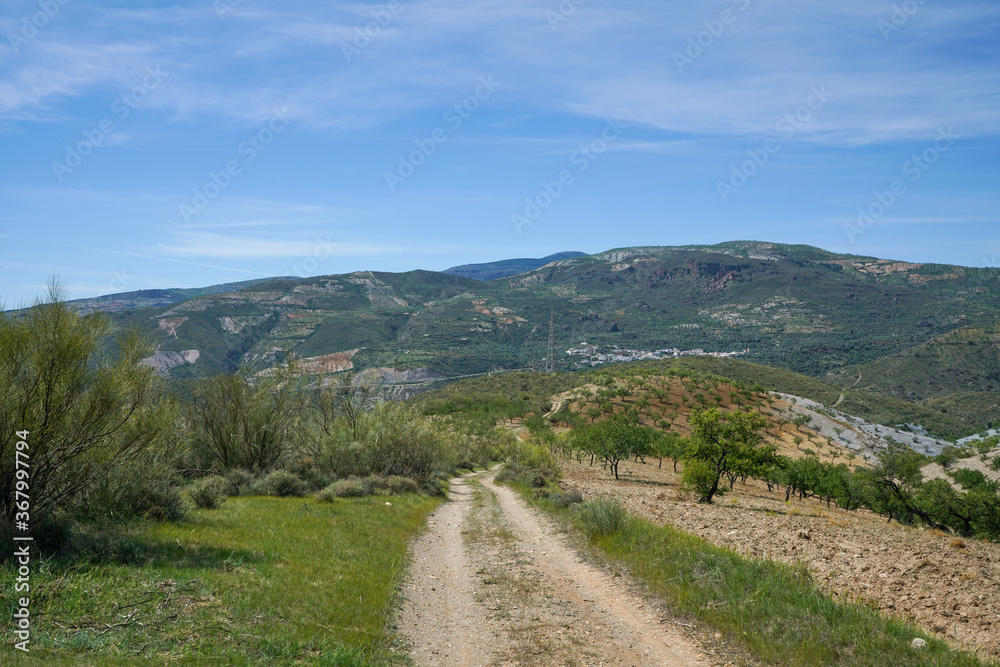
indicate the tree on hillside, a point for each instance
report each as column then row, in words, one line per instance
column 897, row 480
column 669, row 445
column 76, row 395
column 721, row 443
column 615, row 439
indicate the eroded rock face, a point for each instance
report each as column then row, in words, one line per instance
column 164, row 361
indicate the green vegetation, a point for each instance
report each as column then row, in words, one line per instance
column 278, row 581
column 829, row 312
column 725, row 444
column 775, row 612
column 78, row 409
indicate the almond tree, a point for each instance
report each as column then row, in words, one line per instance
column 723, row 443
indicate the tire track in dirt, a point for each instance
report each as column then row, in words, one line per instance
column 440, row 615
column 511, row 591
column 634, row 633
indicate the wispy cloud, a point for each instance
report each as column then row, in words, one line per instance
column 608, row 59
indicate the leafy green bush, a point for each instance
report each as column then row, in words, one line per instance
column 247, row 421
column 602, row 516
column 209, row 492
column 137, row 489
column 390, row 439
column 281, row 483
column 309, row 472
column 77, row 400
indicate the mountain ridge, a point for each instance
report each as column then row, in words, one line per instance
column 788, row 306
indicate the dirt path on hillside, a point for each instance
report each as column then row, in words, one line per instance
column 494, row 583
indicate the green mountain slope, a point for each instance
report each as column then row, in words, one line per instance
column 959, row 361
column 794, row 307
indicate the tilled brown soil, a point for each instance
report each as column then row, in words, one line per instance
column 946, row 585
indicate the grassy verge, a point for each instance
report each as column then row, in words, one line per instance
column 773, row 611
column 260, row 581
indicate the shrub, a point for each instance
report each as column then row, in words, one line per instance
column 239, row 482
column 434, row 487
column 347, row 488
column 136, row 489
column 393, row 439
column 394, row 485
column 209, row 492
column 76, row 392
column 246, row 421
column 309, row 472
column 281, row 483
column 566, row 498
column 602, row 516
column 530, row 463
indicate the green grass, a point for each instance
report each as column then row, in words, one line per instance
column 774, row 612
column 275, row 581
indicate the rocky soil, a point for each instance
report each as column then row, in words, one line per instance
column 947, row 585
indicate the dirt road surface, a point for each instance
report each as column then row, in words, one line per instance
column 493, row 582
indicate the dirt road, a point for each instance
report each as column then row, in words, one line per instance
column 493, row 583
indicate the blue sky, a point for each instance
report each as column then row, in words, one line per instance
column 154, row 144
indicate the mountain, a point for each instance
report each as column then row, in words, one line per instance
column 153, row 298
column 507, row 267
column 788, row 306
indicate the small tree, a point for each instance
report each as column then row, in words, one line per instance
column 725, row 442
column 615, row 439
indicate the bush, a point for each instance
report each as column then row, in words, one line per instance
column 281, row 483
column 566, row 498
column 76, row 392
column 530, row 463
column 138, row 489
column 602, row 516
column 309, row 472
column 209, row 492
column 239, row 482
column 434, row 487
column 347, row 488
column 391, row 439
column 247, row 421
column 394, row 485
